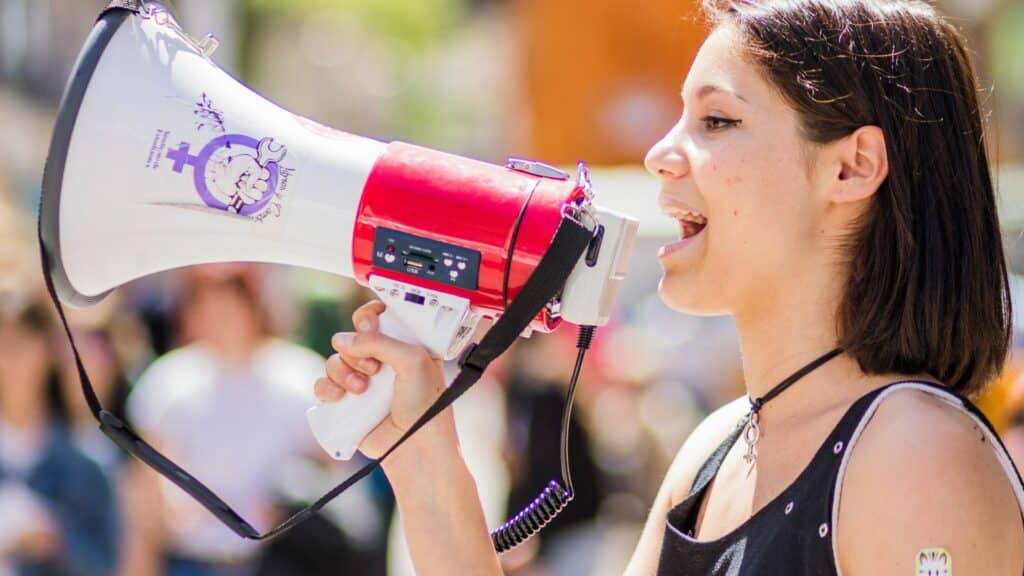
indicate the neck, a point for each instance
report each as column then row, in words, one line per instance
column 784, row 332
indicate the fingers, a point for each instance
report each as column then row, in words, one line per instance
column 403, row 357
column 365, row 318
column 327, row 391
column 345, row 372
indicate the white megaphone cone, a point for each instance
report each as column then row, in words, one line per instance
column 160, row 160
column 170, row 162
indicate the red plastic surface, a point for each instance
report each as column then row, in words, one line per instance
column 463, row 202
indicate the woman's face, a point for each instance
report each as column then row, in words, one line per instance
column 736, row 162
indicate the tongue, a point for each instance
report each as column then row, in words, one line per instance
column 691, row 229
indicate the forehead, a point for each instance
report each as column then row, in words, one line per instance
column 720, row 64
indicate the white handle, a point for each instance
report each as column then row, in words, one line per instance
column 339, row 427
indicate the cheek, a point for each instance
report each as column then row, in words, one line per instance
column 758, row 219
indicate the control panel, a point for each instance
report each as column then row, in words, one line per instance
column 426, row 258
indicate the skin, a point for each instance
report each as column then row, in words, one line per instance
column 777, row 208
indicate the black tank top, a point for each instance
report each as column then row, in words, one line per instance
column 792, row 534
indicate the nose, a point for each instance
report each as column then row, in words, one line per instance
column 666, row 158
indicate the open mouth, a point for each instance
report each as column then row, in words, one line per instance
column 690, row 223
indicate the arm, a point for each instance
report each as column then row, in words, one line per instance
column 436, row 495
column 701, row 443
column 921, row 477
column 438, row 503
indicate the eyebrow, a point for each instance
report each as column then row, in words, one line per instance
column 708, row 89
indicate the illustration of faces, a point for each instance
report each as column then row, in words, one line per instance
column 238, row 178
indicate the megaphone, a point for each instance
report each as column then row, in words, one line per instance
column 160, row 160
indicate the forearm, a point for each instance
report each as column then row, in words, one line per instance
column 440, row 508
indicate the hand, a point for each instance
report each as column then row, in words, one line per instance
column 419, row 379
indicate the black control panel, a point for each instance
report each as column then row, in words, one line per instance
column 425, row 258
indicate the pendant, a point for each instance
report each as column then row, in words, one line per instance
column 751, row 435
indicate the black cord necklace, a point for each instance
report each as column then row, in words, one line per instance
column 752, row 433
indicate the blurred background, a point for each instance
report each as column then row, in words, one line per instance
column 186, row 356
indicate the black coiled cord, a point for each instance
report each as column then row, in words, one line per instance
column 549, row 503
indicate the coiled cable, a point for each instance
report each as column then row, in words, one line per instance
column 554, row 498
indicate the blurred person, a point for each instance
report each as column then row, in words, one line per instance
column 57, row 514
column 833, row 193
column 229, row 406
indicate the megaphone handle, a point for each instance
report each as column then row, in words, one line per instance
column 340, row 426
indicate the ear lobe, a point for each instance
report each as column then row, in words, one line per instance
column 864, row 164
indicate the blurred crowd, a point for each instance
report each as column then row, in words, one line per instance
column 215, row 365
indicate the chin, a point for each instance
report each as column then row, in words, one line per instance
column 685, row 295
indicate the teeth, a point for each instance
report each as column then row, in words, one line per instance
column 688, row 216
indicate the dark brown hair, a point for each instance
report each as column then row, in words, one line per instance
column 927, row 289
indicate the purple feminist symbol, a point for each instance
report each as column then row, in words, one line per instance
column 234, row 172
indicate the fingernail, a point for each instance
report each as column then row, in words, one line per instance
column 368, row 364
column 330, row 389
column 356, row 381
column 342, row 340
column 365, row 326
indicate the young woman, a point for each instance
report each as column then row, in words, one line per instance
column 830, row 178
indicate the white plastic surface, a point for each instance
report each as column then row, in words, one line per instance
column 130, row 198
column 437, row 321
column 589, row 293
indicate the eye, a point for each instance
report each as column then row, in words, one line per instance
column 717, row 123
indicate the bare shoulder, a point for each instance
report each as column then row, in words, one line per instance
column 923, row 476
column 698, row 447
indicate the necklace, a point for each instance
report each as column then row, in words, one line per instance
column 752, row 432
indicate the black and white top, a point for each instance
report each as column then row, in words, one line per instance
column 793, row 534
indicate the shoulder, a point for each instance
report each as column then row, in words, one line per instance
column 173, row 378
column 290, row 368
column 699, row 446
column 181, row 364
column 924, row 475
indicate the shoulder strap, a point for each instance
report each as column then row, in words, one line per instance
column 710, row 468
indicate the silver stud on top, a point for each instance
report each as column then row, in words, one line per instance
column 838, row 447
column 823, row 530
column 789, row 508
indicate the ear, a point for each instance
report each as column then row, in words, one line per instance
column 863, row 164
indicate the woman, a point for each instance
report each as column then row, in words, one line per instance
column 57, row 509
column 832, row 186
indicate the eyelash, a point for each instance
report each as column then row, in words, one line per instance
column 716, row 123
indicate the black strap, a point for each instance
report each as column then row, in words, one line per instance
column 756, row 405
column 545, row 283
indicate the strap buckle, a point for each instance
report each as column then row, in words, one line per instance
column 466, row 362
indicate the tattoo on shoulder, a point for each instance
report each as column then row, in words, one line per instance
column 934, row 562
